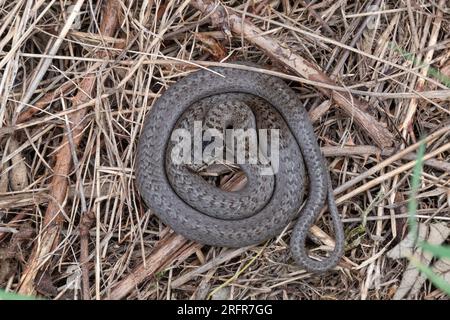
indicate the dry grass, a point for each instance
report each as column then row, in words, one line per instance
column 156, row 43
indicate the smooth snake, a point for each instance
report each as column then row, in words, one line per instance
column 262, row 209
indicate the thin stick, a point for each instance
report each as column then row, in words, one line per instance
column 85, row 224
column 390, row 174
column 45, row 62
column 390, row 160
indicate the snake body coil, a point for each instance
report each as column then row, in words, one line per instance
column 264, row 207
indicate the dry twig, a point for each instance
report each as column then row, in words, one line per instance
column 53, row 219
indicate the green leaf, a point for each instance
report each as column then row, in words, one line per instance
column 438, row 281
column 436, row 250
column 14, row 296
column 415, row 181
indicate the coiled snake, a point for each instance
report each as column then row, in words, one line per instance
column 263, row 208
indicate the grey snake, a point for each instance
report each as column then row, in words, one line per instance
column 262, row 209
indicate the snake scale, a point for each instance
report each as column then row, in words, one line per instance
column 262, row 209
